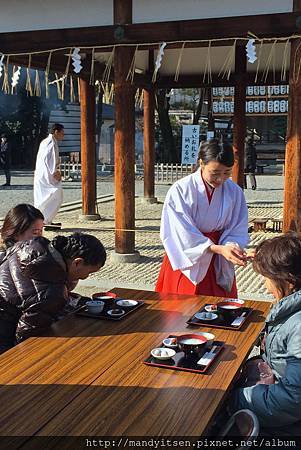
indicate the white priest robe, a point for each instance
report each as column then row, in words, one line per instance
column 48, row 192
column 187, row 214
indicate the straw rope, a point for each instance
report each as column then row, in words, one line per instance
column 258, row 60
column 72, row 92
column 5, row 85
column 37, row 85
column 28, row 85
column 207, row 70
column 179, row 62
column 108, row 68
column 228, row 63
column 284, row 61
column 47, row 70
column 270, row 60
column 141, row 45
column 92, row 67
column 131, row 72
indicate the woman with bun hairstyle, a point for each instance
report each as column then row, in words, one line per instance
column 34, row 281
column 204, row 227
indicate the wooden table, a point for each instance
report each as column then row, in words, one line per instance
column 86, row 376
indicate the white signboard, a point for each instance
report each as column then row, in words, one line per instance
column 190, row 143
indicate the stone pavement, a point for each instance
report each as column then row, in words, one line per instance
column 143, row 274
column 266, row 201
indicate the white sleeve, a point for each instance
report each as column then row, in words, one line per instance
column 237, row 230
column 50, row 166
column 182, row 240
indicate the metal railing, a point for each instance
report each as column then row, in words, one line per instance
column 166, row 173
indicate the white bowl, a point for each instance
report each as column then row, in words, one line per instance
column 104, row 298
column 210, row 308
column 126, row 303
column 236, row 300
column 209, row 336
column 206, row 316
column 116, row 312
column 163, row 353
column 170, row 342
column 95, row 306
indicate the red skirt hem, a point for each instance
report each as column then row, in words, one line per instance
column 175, row 282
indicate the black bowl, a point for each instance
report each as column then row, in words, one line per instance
column 229, row 308
column 191, row 343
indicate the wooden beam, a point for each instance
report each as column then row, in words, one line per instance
column 239, row 119
column 262, row 25
column 196, row 81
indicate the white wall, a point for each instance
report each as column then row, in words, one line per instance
column 26, row 15
column 158, row 10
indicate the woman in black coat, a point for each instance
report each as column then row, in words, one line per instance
column 34, row 279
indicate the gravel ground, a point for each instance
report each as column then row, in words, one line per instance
column 270, row 190
column 266, row 201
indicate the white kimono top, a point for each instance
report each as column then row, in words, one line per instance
column 187, row 214
column 48, row 192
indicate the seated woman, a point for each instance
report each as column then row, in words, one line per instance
column 34, row 279
column 22, row 222
column 275, row 397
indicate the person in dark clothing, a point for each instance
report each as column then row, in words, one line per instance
column 250, row 162
column 22, row 222
column 5, row 158
column 34, row 280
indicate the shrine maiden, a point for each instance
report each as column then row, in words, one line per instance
column 204, row 228
column 48, row 192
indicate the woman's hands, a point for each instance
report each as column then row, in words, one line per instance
column 231, row 252
column 57, row 176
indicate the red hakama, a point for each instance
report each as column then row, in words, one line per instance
column 175, row 282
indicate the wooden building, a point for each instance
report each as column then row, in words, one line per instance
column 121, row 39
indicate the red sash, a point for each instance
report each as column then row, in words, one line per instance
column 175, row 282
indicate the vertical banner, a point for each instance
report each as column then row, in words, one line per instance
column 190, row 143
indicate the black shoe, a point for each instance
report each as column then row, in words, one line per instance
column 6, row 184
column 253, row 188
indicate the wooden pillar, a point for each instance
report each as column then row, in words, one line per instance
column 292, row 181
column 239, row 120
column 88, row 149
column 124, row 145
column 149, row 145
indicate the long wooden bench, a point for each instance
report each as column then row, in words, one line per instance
column 268, row 158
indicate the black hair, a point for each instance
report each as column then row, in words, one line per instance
column 80, row 245
column 17, row 221
column 57, row 127
column 215, row 150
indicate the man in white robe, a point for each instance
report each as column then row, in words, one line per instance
column 48, row 192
